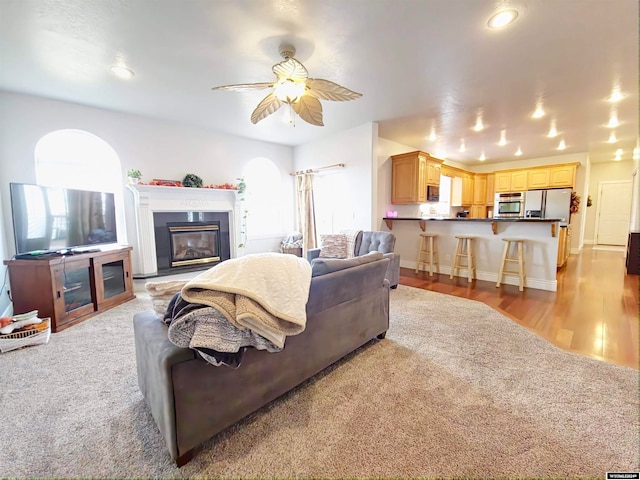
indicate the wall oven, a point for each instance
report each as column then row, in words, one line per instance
column 509, row 205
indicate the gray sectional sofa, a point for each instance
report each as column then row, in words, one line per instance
column 190, row 399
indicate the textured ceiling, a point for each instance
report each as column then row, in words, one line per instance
column 420, row 65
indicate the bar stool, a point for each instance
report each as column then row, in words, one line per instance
column 428, row 253
column 464, row 249
column 519, row 260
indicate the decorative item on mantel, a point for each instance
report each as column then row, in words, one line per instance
column 192, row 180
column 133, row 176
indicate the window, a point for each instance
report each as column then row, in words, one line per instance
column 330, row 200
column 77, row 159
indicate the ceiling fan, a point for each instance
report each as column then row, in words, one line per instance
column 294, row 87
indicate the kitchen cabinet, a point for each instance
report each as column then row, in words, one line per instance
column 538, row 178
column 480, row 189
column 502, row 182
column 564, row 245
column 478, row 211
column 562, row 176
column 491, row 191
column 70, row 289
column 410, row 174
column 519, row 180
column 467, row 189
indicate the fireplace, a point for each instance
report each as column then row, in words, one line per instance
column 150, row 209
column 193, row 244
column 190, row 240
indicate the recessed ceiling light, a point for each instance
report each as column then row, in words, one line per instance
column 121, row 71
column 612, row 138
column 432, row 135
column 618, row 156
column 462, row 146
column 482, row 158
column 552, row 130
column 518, row 152
column 502, row 18
column 539, row 112
column 613, row 119
column 562, row 145
column 616, row 94
column 503, row 138
column 479, row 125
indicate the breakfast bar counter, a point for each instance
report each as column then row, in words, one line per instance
column 540, row 246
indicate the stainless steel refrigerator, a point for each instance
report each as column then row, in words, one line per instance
column 551, row 203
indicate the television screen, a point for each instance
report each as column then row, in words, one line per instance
column 51, row 219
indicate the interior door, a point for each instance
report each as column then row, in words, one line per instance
column 614, row 213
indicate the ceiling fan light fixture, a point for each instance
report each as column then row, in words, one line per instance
column 288, row 90
column 502, row 18
column 121, row 71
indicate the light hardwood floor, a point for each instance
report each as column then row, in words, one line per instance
column 593, row 313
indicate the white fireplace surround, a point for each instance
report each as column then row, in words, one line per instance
column 142, row 201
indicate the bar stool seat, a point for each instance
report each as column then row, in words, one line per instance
column 464, row 250
column 519, row 260
column 428, row 253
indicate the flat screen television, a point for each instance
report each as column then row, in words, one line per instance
column 51, row 219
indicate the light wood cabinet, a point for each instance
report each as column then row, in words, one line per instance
column 562, row 176
column 410, row 174
column 519, row 180
column 480, row 189
column 564, row 245
column 491, row 191
column 478, row 211
column 502, row 182
column 467, row 189
column 538, row 178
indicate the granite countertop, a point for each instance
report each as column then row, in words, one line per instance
column 482, row 220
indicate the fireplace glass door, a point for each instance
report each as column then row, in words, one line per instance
column 194, row 243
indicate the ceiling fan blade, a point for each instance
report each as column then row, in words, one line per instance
column 266, row 107
column 309, row 109
column 327, row 90
column 291, row 69
column 245, row 87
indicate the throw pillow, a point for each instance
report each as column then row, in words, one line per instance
column 333, row 246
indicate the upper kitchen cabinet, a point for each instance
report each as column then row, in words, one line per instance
column 511, row 181
column 562, row 175
column 410, row 174
column 538, row 178
column 480, row 189
column 467, row 189
column 491, row 189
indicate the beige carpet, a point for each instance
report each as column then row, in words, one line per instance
column 456, row 390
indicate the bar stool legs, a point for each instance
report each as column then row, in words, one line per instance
column 519, row 260
column 464, row 250
column 428, row 253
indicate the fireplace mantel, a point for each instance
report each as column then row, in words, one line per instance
column 142, row 201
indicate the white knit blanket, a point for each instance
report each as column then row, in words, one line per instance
column 266, row 293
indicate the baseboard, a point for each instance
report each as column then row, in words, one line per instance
column 588, row 242
column 539, row 283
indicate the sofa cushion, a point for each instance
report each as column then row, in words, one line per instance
column 377, row 242
column 322, row 266
column 333, row 245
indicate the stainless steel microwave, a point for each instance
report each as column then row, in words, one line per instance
column 509, row 205
column 433, row 193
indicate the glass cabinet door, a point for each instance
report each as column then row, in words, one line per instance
column 77, row 288
column 113, row 278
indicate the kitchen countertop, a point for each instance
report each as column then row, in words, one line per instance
column 492, row 221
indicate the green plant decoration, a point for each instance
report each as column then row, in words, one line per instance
column 191, row 180
column 134, row 173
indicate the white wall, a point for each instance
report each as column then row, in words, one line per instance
column 157, row 148
column 602, row 172
column 354, row 148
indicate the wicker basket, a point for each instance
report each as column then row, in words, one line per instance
column 25, row 338
column 297, row 251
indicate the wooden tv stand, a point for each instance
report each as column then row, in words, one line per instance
column 71, row 288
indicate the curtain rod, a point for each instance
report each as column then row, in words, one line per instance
column 314, row 170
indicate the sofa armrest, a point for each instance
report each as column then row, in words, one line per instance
column 313, row 253
column 393, row 270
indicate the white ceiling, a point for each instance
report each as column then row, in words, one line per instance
column 418, row 64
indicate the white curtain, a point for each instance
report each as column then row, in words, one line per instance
column 306, row 212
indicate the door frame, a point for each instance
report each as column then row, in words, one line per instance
column 600, row 184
